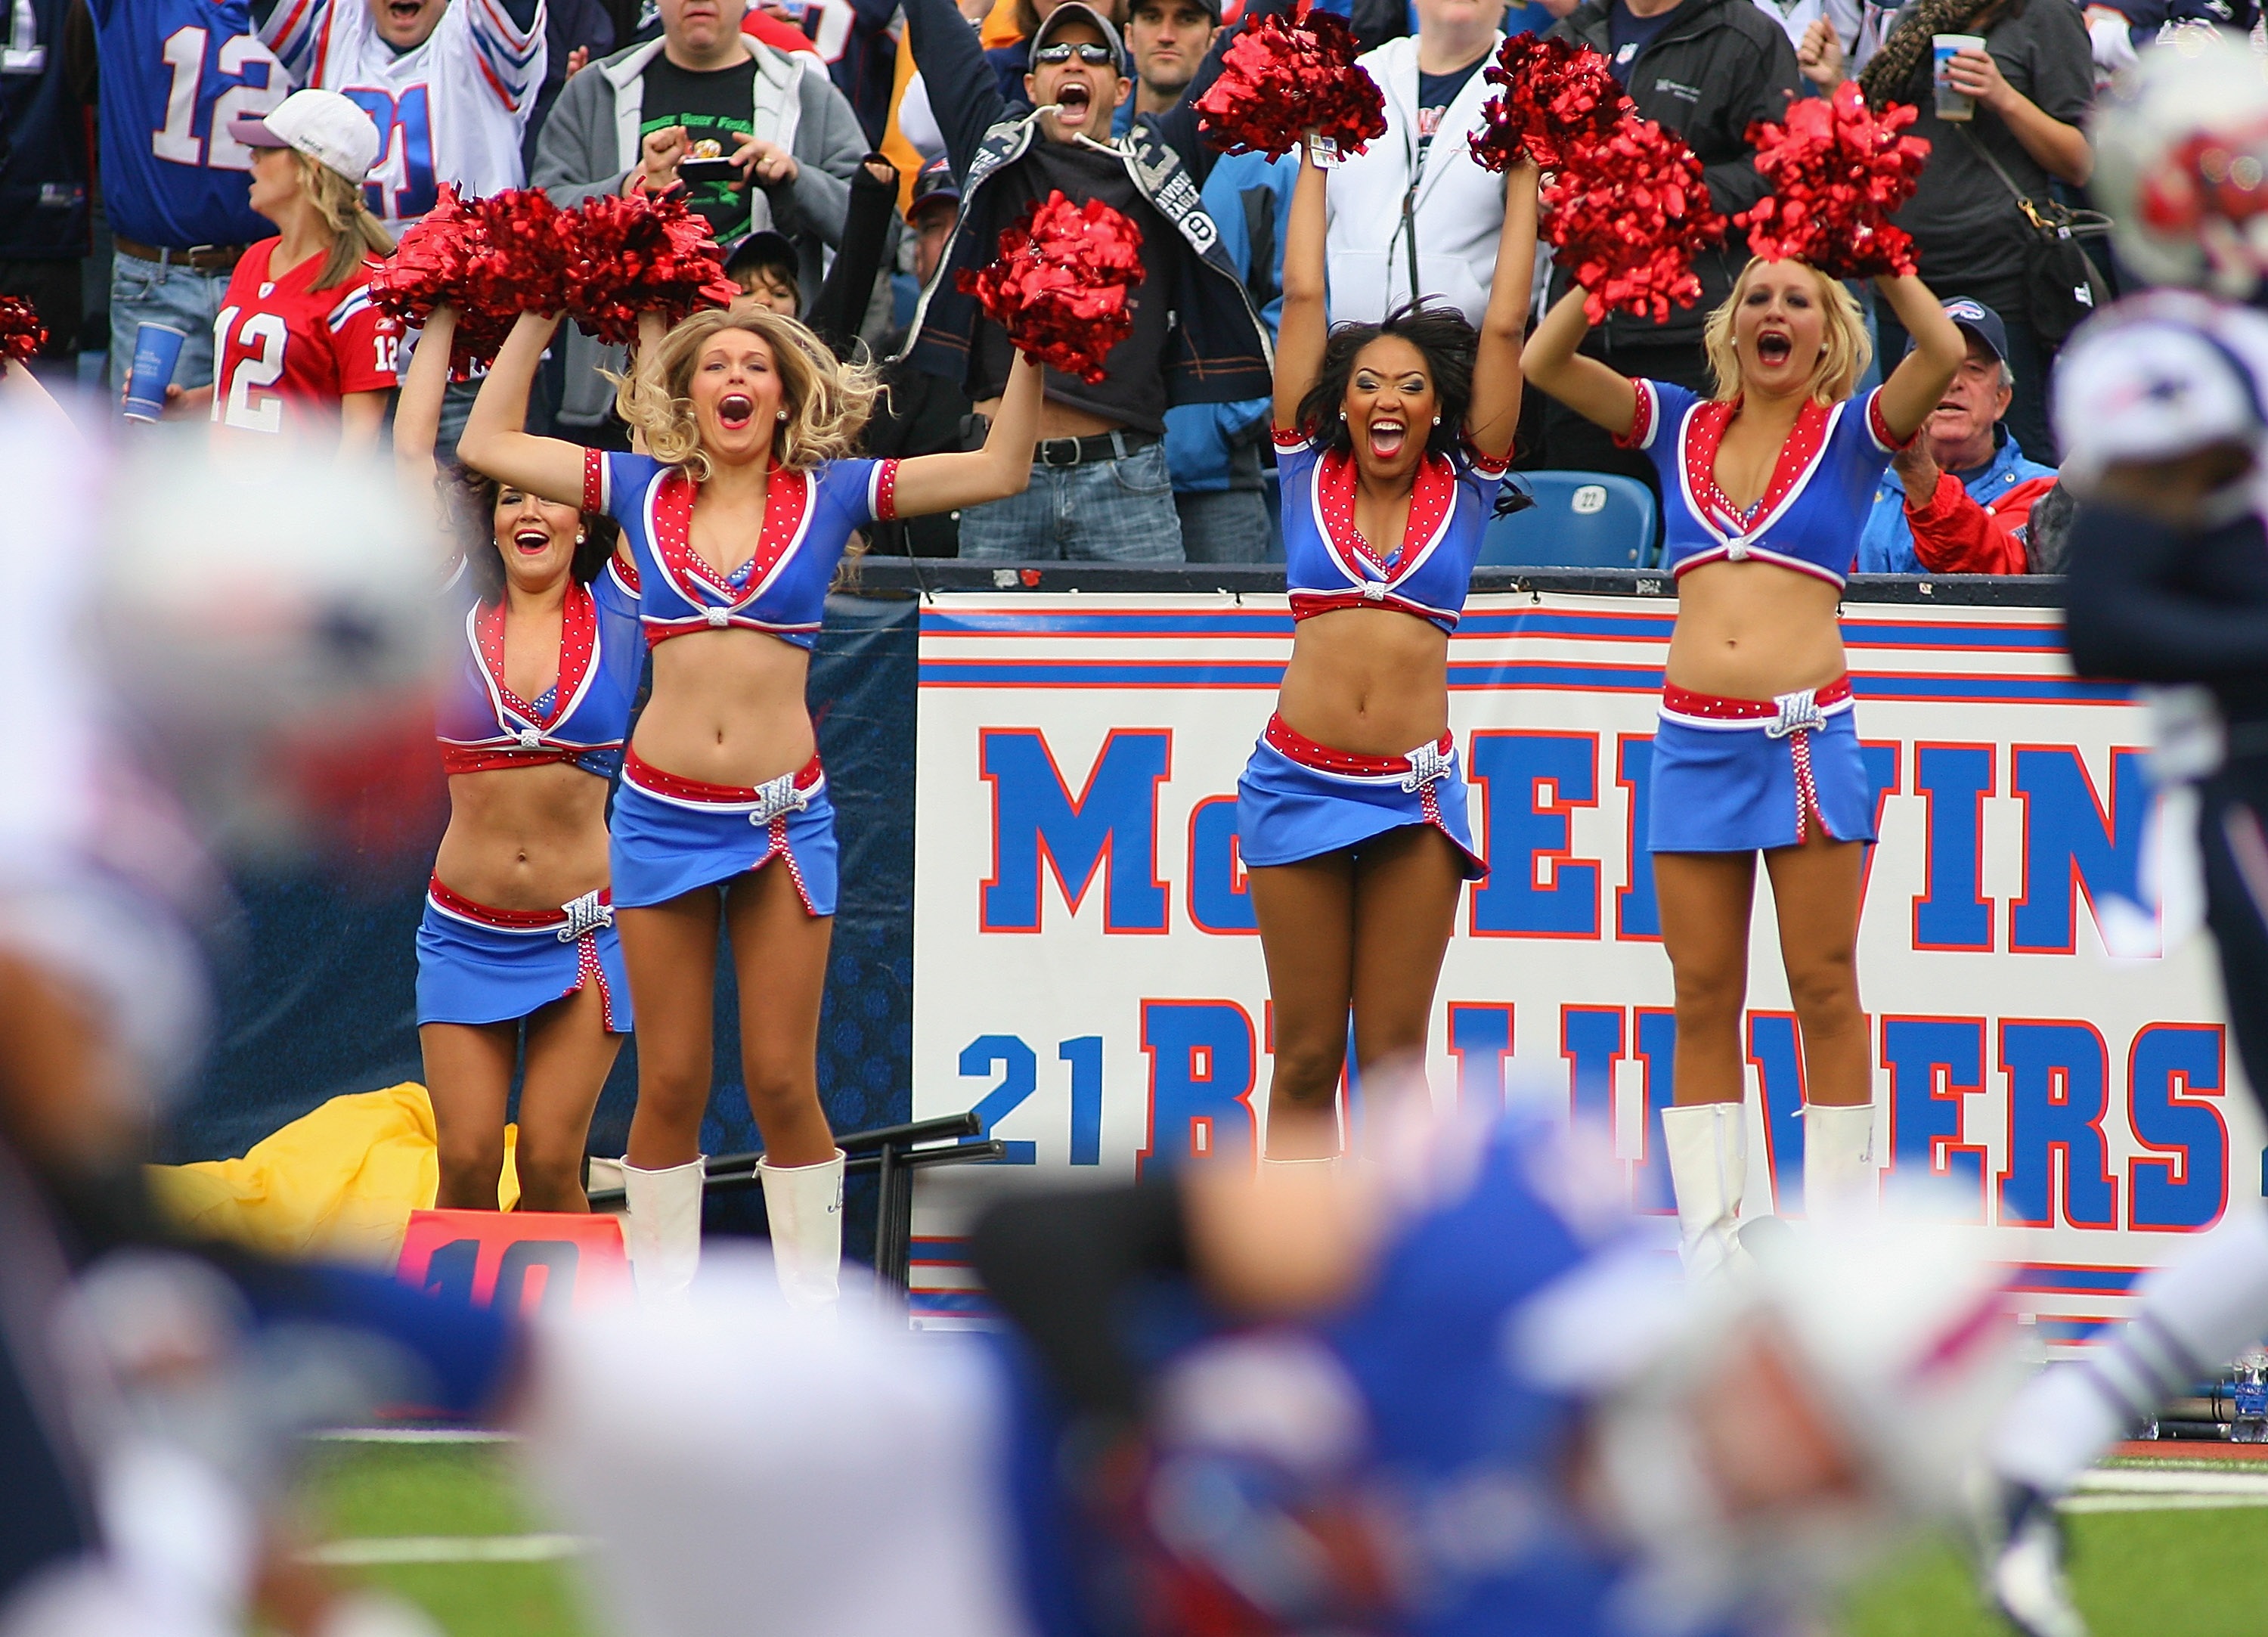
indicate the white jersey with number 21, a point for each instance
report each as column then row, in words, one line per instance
column 452, row 110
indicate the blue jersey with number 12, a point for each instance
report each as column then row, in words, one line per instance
column 174, row 73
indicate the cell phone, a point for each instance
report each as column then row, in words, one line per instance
column 694, row 172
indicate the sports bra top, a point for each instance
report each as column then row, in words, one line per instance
column 782, row 589
column 1327, row 563
column 582, row 718
column 1812, row 512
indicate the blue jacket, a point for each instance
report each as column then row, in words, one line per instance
column 1216, row 445
column 1886, row 544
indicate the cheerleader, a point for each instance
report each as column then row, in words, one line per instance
column 519, row 925
column 736, row 521
column 1764, row 489
column 1392, row 439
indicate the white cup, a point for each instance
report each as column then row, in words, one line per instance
column 1951, row 104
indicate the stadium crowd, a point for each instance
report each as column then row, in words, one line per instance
column 836, row 173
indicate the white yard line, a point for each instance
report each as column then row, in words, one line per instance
column 415, row 1435
column 2161, row 1489
column 447, row 1549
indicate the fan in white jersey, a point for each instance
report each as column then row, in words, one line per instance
column 449, row 83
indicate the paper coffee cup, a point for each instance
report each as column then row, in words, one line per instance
column 157, row 349
column 1951, row 104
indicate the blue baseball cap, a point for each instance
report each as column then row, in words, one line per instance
column 1980, row 321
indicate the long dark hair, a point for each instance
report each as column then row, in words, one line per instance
column 473, row 503
column 1442, row 336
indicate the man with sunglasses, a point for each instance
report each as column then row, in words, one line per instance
column 1100, row 489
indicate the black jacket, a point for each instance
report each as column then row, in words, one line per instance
column 1220, row 351
column 1720, row 66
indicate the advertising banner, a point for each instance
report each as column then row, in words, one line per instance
column 1088, row 978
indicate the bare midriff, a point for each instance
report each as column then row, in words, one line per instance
column 525, row 837
column 1374, row 682
column 727, row 708
column 1755, row 631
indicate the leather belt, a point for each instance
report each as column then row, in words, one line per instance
column 196, row 258
column 1114, row 446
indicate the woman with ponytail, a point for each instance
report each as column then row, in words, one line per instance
column 297, row 347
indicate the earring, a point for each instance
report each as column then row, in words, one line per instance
column 582, row 536
column 781, row 415
column 1341, row 415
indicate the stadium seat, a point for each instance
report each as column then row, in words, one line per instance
column 1580, row 520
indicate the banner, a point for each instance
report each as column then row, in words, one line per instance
column 1087, row 976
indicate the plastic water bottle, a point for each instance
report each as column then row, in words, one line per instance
column 2250, row 1426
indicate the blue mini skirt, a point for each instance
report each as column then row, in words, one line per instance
column 671, row 836
column 1298, row 800
column 480, row 965
column 1742, row 776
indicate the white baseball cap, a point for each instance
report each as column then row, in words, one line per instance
column 327, row 128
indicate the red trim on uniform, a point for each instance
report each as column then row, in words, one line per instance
column 885, row 490
column 594, row 480
column 1641, row 417
column 647, row 777
column 579, row 645
column 1432, row 496
column 1296, row 746
column 1880, row 428
column 509, row 920
column 1685, row 702
column 1705, row 432
column 1488, row 465
column 787, row 494
column 1306, row 604
column 1288, row 436
column 1807, row 788
column 490, row 759
column 625, row 571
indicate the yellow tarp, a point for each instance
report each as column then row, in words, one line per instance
column 340, row 1182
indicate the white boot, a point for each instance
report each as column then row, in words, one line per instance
column 1840, row 1183
column 804, row 1204
column 1708, row 1145
column 661, row 1226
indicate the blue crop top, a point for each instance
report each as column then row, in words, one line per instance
column 581, row 718
column 1812, row 512
column 1327, row 563
column 782, row 589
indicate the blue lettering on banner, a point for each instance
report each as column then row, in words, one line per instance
column 2058, row 1093
column 1953, row 912
column 2183, row 1184
column 1200, row 1070
column 1591, row 1040
column 1019, row 1078
column 1774, row 1048
column 1934, row 1062
column 1219, row 901
column 1657, row 1051
column 2071, row 845
column 1036, row 818
column 1511, row 767
column 1636, row 913
column 1480, row 1039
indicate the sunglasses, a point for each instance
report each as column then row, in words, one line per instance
column 1091, row 53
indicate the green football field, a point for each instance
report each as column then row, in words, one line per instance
column 2157, row 1552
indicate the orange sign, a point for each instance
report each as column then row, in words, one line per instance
column 526, row 1259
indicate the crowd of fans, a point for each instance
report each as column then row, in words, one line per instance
column 852, row 155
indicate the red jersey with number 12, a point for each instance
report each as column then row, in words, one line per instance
column 284, row 353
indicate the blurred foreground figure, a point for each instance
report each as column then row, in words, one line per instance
column 150, row 1389
column 2159, row 406
column 1438, row 1393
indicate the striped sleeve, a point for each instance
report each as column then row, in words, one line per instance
column 364, row 351
column 596, row 482
column 1647, row 422
column 882, row 492
column 511, row 58
column 1879, row 429
column 292, row 31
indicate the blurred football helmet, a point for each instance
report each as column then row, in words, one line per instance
column 2181, row 163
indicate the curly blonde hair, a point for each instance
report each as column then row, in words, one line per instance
column 1843, row 350
column 827, row 403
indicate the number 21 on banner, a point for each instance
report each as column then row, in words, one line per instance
column 1019, row 1068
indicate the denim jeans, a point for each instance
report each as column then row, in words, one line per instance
column 1097, row 511
column 164, row 293
column 1223, row 525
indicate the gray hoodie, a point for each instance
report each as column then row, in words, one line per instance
column 590, row 145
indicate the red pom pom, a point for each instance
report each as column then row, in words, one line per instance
column 1059, row 287
column 530, row 254
column 1557, row 95
column 1281, row 78
column 641, row 254
column 1838, row 173
column 21, row 333
column 1626, row 212
column 433, row 266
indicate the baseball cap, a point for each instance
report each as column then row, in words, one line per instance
column 764, row 248
column 935, row 182
column 325, row 126
column 1075, row 11
column 1980, row 321
column 1212, row 7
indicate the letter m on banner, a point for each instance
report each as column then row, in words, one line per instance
column 1110, row 826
